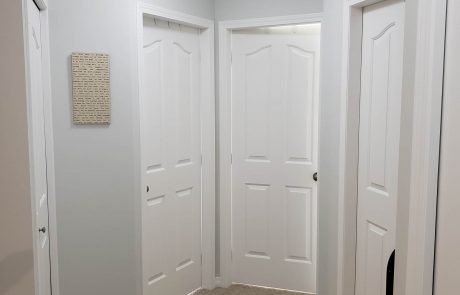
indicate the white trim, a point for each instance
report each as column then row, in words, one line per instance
column 225, row 28
column 136, row 27
column 423, row 155
column 348, row 149
column 49, row 134
column 349, row 143
column 416, row 278
column 207, row 129
column 42, row 4
column 49, row 140
column 218, row 283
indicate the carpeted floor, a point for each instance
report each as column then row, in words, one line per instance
column 245, row 290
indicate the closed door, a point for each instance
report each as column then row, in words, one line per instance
column 38, row 153
column 171, row 158
column 380, row 111
column 275, row 78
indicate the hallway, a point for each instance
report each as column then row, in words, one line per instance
column 229, row 147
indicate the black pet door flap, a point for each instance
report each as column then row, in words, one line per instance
column 390, row 273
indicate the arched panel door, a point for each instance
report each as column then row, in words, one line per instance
column 171, row 159
column 380, row 112
column 275, row 96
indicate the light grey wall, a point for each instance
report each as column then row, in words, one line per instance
column 96, row 180
column 201, row 8
column 16, row 243
column 240, row 9
column 94, row 165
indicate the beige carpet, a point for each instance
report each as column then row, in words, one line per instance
column 245, row 290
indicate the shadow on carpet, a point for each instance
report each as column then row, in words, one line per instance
column 245, row 290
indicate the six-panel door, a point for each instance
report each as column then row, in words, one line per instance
column 171, row 159
column 275, row 91
column 380, row 111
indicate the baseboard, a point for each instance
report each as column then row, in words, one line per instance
column 218, row 283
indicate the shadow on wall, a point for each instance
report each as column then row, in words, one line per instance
column 13, row 268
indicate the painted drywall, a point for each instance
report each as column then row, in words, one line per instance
column 94, row 179
column 448, row 236
column 201, row 8
column 241, row 9
column 97, row 185
column 16, row 244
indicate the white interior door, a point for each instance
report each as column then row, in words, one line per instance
column 380, row 111
column 275, row 79
column 171, row 158
column 38, row 153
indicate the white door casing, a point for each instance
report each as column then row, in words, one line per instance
column 447, row 267
column 275, row 93
column 38, row 151
column 171, row 158
column 379, row 134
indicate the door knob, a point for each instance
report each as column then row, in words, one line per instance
column 315, row 176
column 42, row 230
column 148, row 188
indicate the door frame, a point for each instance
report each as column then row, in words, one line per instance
column 208, row 178
column 419, row 153
column 224, row 141
column 49, row 140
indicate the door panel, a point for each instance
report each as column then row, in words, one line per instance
column 257, row 220
column 380, row 111
column 256, row 112
column 275, row 78
column 38, row 159
column 299, row 102
column 299, row 224
column 171, row 159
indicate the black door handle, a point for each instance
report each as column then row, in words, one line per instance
column 42, row 230
column 315, row 176
column 390, row 273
